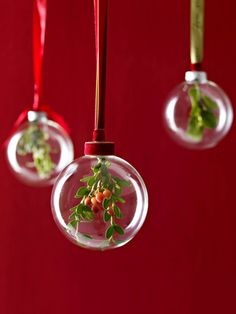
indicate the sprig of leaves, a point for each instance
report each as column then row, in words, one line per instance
column 102, row 191
column 202, row 115
column 80, row 212
column 34, row 141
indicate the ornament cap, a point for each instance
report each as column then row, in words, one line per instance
column 37, row 116
column 196, row 77
column 96, row 148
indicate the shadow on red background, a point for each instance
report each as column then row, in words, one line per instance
column 183, row 259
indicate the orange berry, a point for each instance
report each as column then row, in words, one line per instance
column 107, row 193
column 87, row 201
column 99, row 197
column 94, row 201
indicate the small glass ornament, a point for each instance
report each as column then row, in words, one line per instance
column 99, row 202
column 38, row 150
column 198, row 113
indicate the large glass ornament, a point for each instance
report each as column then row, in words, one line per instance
column 198, row 113
column 99, row 202
column 38, row 150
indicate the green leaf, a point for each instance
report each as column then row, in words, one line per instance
column 109, row 232
column 119, row 229
column 209, row 119
column 195, row 128
column 79, row 208
column 118, row 190
column 106, row 216
column 194, row 94
column 90, row 180
column 121, row 182
column 89, row 215
column 104, row 180
column 210, row 104
column 72, row 215
column 73, row 223
column 97, row 168
column 86, row 179
column 106, row 203
column 86, row 208
column 110, row 187
column 82, row 192
column 117, row 212
column 86, row 212
column 117, row 198
column 83, row 214
column 74, row 208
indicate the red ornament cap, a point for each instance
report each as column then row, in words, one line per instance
column 99, row 148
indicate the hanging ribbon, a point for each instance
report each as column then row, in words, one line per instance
column 197, row 34
column 100, row 16
column 39, row 28
column 99, row 146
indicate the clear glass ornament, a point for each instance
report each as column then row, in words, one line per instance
column 99, row 202
column 39, row 150
column 198, row 113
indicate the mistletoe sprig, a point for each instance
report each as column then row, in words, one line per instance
column 102, row 193
column 34, row 141
column 202, row 114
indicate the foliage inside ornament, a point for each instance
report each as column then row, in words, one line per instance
column 35, row 141
column 102, row 193
column 202, row 115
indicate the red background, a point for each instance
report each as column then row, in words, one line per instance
column 183, row 259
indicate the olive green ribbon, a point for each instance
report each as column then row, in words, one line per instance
column 197, row 31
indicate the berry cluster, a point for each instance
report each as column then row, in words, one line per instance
column 100, row 197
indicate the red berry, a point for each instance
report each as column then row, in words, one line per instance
column 95, row 209
column 111, row 212
column 87, row 201
column 107, row 193
column 99, row 197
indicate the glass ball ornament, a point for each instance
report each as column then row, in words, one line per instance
column 38, row 150
column 198, row 113
column 99, row 203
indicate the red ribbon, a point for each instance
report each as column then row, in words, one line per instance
column 39, row 28
column 100, row 16
column 196, row 67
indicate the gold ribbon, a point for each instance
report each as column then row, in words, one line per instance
column 197, row 31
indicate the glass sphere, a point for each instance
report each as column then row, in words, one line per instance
column 198, row 113
column 99, row 202
column 38, row 151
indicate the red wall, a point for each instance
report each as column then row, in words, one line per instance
column 183, row 259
